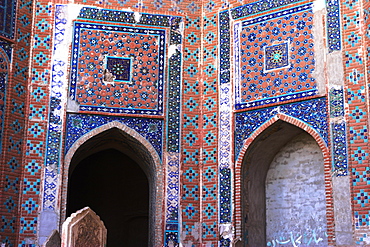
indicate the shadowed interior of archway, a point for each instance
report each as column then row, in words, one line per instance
column 113, row 174
column 116, row 188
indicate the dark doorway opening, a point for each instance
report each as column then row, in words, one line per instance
column 117, row 189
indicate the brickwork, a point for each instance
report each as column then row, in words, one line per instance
column 15, row 55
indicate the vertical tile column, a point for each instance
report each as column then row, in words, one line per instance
column 13, row 143
column 225, row 130
column 191, row 128
column 357, row 97
column 37, row 124
column 210, row 226
column 11, row 165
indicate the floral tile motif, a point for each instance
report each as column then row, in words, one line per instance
column 276, row 56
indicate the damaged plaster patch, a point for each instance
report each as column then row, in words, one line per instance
column 172, row 49
column 319, row 5
column 335, row 68
column 319, row 51
column 227, row 231
column 72, row 105
column 137, row 17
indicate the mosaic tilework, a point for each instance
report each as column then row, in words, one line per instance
column 129, row 17
column 338, row 131
column 5, row 56
column 225, row 124
column 275, row 58
column 336, row 100
column 12, row 130
column 339, row 145
column 357, row 118
column 134, row 54
column 78, row 125
column 191, row 133
column 333, row 25
column 7, row 21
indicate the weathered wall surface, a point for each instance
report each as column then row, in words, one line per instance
column 295, row 195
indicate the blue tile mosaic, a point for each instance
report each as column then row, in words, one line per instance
column 312, row 112
column 276, row 56
column 339, row 146
column 7, row 18
column 333, row 25
column 79, row 125
column 210, row 192
column 155, row 126
column 11, row 184
column 362, row 177
column 259, row 7
column 225, row 195
column 336, row 99
column 174, row 103
column 10, row 204
column 129, row 17
column 28, row 225
column 8, row 223
column 209, row 230
column 190, row 211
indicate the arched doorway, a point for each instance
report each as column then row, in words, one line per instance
column 117, row 173
column 117, row 189
column 283, row 189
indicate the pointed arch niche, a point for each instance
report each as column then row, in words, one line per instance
column 282, row 186
column 118, row 139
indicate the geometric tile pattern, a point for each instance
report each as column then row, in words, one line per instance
column 224, row 25
column 131, row 55
column 78, row 125
column 7, row 18
column 275, row 58
column 339, row 146
column 333, row 25
column 357, row 119
column 336, row 99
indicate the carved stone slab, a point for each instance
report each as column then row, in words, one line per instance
column 84, row 228
column 53, row 240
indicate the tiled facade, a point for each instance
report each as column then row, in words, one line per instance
column 192, row 84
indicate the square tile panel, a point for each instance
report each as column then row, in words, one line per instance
column 276, row 56
column 118, row 69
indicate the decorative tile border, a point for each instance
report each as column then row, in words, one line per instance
column 5, row 58
column 339, row 147
column 78, row 125
column 98, row 14
column 8, row 17
column 312, row 112
column 333, row 25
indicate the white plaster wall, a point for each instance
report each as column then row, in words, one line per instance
column 295, row 195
